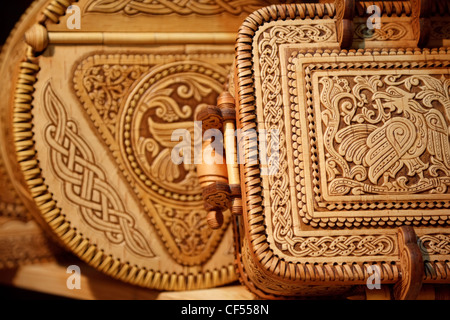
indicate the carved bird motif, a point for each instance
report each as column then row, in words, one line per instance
column 401, row 140
column 160, row 145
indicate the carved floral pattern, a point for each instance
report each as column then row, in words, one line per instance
column 107, row 85
column 166, row 101
column 432, row 95
column 188, row 228
column 137, row 104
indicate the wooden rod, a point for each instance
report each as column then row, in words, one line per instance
column 229, row 129
column 226, row 104
column 135, row 38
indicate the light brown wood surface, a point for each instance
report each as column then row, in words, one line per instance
column 363, row 118
column 51, row 278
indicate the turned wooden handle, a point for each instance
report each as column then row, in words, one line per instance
column 220, row 181
column 227, row 106
column 213, row 174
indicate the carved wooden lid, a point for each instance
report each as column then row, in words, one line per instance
column 351, row 144
column 100, row 88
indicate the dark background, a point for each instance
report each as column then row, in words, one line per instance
column 10, row 14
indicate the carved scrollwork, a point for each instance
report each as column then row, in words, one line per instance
column 338, row 246
column 385, row 136
column 107, row 85
column 137, row 105
column 378, row 126
column 298, row 34
column 188, row 228
column 165, row 105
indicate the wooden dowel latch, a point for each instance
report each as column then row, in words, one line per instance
column 220, row 181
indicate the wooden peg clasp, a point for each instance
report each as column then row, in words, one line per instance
column 411, row 265
column 212, row 174
column 345, row 11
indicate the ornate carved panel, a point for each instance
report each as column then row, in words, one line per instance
column 137, row 125
column 85, row 182
column 376, row 149
column 92, row 128
column 362, row 144
column 159, row 16
column 362, row 135
column 102, row 133
column 382, row 137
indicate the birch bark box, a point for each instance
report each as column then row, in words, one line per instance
column 98, row 88
column 354, row 184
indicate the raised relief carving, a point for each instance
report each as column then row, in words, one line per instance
column 188, row 228
column 296, row 228
column 386, row 134
column 388, row 138
column 166, row 105
column 85, row 182
column 325, row 246
column 137, row 103
column 269, row 62
column 107, row 85
column 434, row 244
column 381, row 134
column 254, row 275
column 182, row 7
column 296, row 34
column 388, row 32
